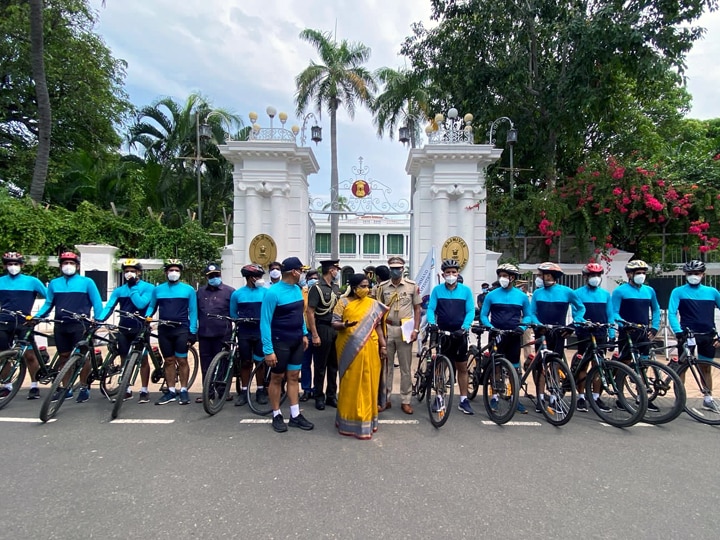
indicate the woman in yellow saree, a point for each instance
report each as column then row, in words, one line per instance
column 360, row 345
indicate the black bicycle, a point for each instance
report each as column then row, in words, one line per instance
column 434, row 376
column 261, row 376
column 665, row 391
column 496, row 374
column 559, row 398
column 614, row 381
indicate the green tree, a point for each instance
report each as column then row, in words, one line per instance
column 339, row 80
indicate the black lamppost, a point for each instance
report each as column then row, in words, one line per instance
column 511, row 139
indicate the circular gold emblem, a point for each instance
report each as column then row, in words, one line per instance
column 456, row 248
column 263, row 250
column 360, row 189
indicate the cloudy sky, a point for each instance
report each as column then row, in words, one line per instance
column 244, row 55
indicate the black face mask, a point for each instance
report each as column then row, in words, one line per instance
column 396, row 272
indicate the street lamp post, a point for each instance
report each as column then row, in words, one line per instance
column 203, row 132
column 511, row 139
column 315, row 130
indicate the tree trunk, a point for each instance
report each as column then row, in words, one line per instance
column 37, row 60
column 334, row 186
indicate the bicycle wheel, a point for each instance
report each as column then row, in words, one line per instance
column 665, row 392
column 560, row 390
column 129, row 371
column 13, row 371
column 49, row 407
column 112, row 373
column 440, row 390
column 263, row 409
column 473, row 373
column 616, row 384
column 217, row 382
column 700, row 379
column 419, row 386
column 500, row 390
column 193, row 364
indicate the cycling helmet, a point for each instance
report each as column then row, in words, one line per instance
column 592, row 268
column 131, row 263
column 449, row 263
column 508, row 268
column 637, row 264
column 550, row 268
column 174, row 262
column 69, row 256
column 13, row 257
column 252, row 270
column 690, row 266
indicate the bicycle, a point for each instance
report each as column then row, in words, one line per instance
column 561, row 401
column 261, row 372
column 223, row 367
column 140, row 348
column 84, row 351
column 497, row 375
column 434, row 376
column 608, row 378
column 665, row 391
column 699, row 401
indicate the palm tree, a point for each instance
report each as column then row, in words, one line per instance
column 340, row 79
column 37, row 62
column 404, row 100
column 342, row 205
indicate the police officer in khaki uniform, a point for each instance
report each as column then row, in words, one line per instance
column 402, row 297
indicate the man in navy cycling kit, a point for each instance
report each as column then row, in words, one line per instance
column 18, row 293
column 506, row 308
column 71, row 294
column 452, row 308
column 177, row 302
column 284, row 338
column 695, row 305
column 132, row 297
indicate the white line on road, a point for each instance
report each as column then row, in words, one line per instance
column 141, row 421
column 25, row 420
column 639, row 424
column 256, row 421
column 398, row 422
column 268, row 421
column 511, row 423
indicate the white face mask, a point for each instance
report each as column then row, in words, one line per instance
column 69, row 269
column 173, row 276
column 259, row 283
column 13, row 269
column 275, row 273
column 130, row 276
column 539, row 282
column 594, row 281
column 693, row 280
column 639, row 279
column 450, row 280
column 504, row 282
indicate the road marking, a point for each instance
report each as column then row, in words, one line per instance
column 141, row 421
column 26, row 420
column 511, row 423
column 256, row 421
column 639, row 424
column 398, row 422
column 268, row 421
column 698, row 412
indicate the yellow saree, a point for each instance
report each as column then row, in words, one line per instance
column 358, row 366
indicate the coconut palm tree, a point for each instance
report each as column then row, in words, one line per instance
column 404, row 102
column 37, row 63
column 342, row 206
column 340, row 79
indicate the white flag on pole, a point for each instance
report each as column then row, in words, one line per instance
column 426, row 279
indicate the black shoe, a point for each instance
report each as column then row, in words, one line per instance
column 307, row 395
column 320, row 403
column 261, row 397
column 278, row 424
column 34, row 393
column 652, row 407
column 331, row 401
column 606, row 408
column 301, row 422
column 582, row 405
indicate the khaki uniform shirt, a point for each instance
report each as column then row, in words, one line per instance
column 401, row 299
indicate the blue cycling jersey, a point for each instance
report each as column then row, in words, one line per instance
column 245, row 303
column 637, row 305
column 175, row 301
column 451, row 309
column 133, row 299
column 18, row 293
column 505, row 309
column 549, row 305
column 598, row 307
column 72, row 294
column 696, row 306
column 281, row 315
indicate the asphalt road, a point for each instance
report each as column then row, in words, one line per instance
column 197, row 476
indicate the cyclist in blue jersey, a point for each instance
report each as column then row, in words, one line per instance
column 507, row 308
column 18, row 293
column 598, row 309
column 132, row 297
column 175, row 301
column 452, row 308
column 284, row 338
column 245, row 303
column 637, row 303
column 695, row 305
column 549, row 306
column 68, row 294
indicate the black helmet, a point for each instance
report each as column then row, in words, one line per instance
column 449, row 263
column 694, row 266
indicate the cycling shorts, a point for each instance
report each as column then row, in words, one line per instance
column 250, row 349
column 173, row 341
column 289, row 356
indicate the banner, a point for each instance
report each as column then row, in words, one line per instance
column 426, row 279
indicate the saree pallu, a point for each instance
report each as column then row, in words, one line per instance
column 358, row 366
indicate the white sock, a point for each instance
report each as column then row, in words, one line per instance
column 34, row 384
column 294, row 410
column 8, row 386
column 143, row 389
column 183, row 389
column 244, row 388
column 260, row 388
column 462, row 398
column 595, row 396
column 277, row 413
column 171, row 390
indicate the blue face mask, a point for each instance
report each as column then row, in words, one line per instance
column 312, row 282
column 302, row 282
column 396, row 273
column 215, row 282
